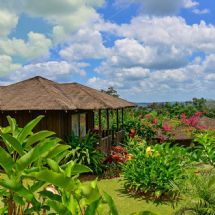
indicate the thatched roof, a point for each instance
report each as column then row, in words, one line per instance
column 39, row 93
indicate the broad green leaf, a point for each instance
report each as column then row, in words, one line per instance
column 92, row 208
column 57, row 179
column 75, row 168
column 57, row 150
column 6, row 161
column 8, row 139
column 36, row 186
column 58, row 207
column 34, row 154
column 39, row 136
column 28, row 129
column 53, row 165
column 12, row 123
column 111, row 204
column 18, row 188
column 50, row 195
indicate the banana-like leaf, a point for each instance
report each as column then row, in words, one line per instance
column 57, row 150
column 12, row 123
column 34, row 154
column 92, row 208
column 58, row 207
column 57, row 179
column 8, row 139
column 111, row 204
column 36, row 186
column 6, row 162
column 39, row 136
column 53, row 165
column 50, row 195
column 28, row 129
column 19, row 189
column 72, row 168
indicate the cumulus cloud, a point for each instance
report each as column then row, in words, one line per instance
column 159, row 7
column 8, row 21
column 55, row 70
column 37, row 45
column 86, row 43
column 6, row 65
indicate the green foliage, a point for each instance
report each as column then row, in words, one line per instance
column 17, row 157
column 204, row 151
column 199, row 192
column 152, row 170
column 83, row 150
column 67, row 194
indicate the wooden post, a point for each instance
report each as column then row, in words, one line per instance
column 108, row 122
column 122, row 118
column 100, row 126
column 117, row 119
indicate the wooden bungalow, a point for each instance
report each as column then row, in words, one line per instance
column 68, row 107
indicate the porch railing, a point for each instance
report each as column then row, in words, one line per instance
column 108, row 138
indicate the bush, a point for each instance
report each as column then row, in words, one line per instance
column 199, row 190
column 204, row 151
column 84, row 151
column 152, row 170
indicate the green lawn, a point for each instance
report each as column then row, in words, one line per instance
column 127, row 204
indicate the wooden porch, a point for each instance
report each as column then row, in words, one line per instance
column 108, row 136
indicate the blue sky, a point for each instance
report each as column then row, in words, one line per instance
column 149, row 50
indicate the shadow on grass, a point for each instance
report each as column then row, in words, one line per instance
column 173, row 202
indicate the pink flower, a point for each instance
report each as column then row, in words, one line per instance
column 201, row 127
column 161, row 138
column 199, row 114
column 166, row 128
column 155, row 121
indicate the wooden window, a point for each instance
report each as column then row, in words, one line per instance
column 83, row 124
column 75, row 124
column 79, row 124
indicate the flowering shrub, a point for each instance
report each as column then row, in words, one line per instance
column 118, row 155
column 113, row 163
column 152, row 170
column 194, row 121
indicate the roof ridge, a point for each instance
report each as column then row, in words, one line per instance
column 82, row 88
column 51, row 91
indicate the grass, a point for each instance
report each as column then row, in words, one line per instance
column 127, row 204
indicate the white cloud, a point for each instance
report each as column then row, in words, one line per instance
column 200, row 12
column 6, row 65
column 8, row 21
column 36, row 46
column 86, row 43
column 55, row 70
column 190, row 3
column 172, row 31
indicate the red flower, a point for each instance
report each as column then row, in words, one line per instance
column 201, row 127
column 166, row 128
column 148, row 116
column 155, row 121
column 161, row 138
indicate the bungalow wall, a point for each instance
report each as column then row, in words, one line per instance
column 58, row 121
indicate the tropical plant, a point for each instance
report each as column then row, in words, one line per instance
column 204, row 151
column 152, row 170
column 23, row 151
column 68, row 195
column 84, row 151
column 199, row 192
